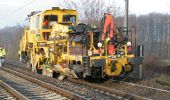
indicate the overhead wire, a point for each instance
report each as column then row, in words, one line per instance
column 9, row 13
column 167, row 5
column 17, row 10
column 9, row 8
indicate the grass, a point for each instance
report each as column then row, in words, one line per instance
column 165, row 61
column 164, row 83
column 163, row 80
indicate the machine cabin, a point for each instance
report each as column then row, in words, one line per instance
column 40, row 23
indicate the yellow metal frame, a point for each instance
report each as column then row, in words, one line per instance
column 34, row 35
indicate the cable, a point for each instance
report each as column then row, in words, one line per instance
column 9, row 8
column 19, row 9
column 168, row 6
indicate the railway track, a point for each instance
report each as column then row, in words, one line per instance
column 8, row 93
column 90, row 90
column 84, row 91
column 128, row 90
column 30, row 88
column 110, row 90
column 140, row 90
column 138, row 85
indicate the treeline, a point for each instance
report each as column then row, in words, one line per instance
column 153, row 31
column 10, row 37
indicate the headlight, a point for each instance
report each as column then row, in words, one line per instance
column 129, row 43
column 51, row 49
column 99, row 44
column 122, row 53
column 114, row 57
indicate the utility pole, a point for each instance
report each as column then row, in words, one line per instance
column 126, row 17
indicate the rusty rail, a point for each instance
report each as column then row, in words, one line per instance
column 12, row 91
column 47, row 85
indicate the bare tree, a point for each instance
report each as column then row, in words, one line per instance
column 10, row 38
column 92, row 11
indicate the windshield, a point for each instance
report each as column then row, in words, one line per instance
column 69, row 18
column 49, row 20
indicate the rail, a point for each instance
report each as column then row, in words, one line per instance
column 51, row 87
column 12, row 91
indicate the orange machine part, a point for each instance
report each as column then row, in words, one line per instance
column 108, row 23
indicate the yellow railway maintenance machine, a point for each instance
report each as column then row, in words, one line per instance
column 54, row 44
column 33, row 45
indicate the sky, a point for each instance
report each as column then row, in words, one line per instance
column 142, row 7
column 15, row 12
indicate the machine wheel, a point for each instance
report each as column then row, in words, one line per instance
column 80, row 75
column 128, row 68
column 55, row 74
column 122, row 75
column 39, row 71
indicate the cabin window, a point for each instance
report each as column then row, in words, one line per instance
column 38, row 21
column 49, row 20
column 32, row 23
column 69, row 18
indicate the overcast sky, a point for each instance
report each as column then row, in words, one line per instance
column 16, row 11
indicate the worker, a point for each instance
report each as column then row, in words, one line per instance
column 51, row 23
column 46, row 24
column 2, row 55
column 111, row 48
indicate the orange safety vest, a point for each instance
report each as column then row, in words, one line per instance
column 111, row 49
column 46, row 23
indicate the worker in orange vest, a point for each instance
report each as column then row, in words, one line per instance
column 46, row 23
column 111, row 48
